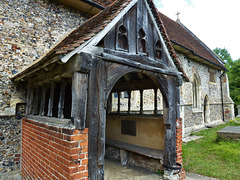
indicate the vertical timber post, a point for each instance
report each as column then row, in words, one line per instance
column 141, row 101
column 97, row 104
column 169, row 117
column 79, row 99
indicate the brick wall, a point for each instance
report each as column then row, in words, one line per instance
column 50, row 152
column 179, row 127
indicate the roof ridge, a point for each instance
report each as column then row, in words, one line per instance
column 181, row 35
column 209, row 50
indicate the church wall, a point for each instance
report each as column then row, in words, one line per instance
column 193, row 117
column 28, row 28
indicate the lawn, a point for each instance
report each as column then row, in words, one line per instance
column 213, row 156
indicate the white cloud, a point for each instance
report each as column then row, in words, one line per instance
column 215, row 22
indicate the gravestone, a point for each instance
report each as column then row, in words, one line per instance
column 232, row 132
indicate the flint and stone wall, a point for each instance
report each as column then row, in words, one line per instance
column 28, row 28
column 194, row 117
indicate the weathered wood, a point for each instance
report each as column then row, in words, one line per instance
column 132, row 30
column 115, row 72
column 79, row 99
column 169, row 117
column 150, row 38
column 124, row 61
column 149, row 152
column 134, row 85
column 29, row 99
column 50, row 102
column 155, row 101
column 119, row 97
column 36, row 101
column 141, row 101
column 129, row 101
column 62, row 98
column 97, row 117
column 110, row 39
column 78, row 63
column 43, row 97
column 109, row 104
column 140, row 58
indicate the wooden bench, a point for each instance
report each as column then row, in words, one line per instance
column 149, row 152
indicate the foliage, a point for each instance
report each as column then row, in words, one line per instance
column 233, row 74
column 213, row 156
column 234, row 81
column 225, row 56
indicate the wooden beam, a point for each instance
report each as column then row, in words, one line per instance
column 119, row 95
column 139, row 75
column 139, row 58
column 43, row 97
column 97, row 118
column 141, row 101
column 124, row 61
column 134, row 85
column 129, row 101
column 36, row 101
column 62, row 98
column 155, row 101
column 109, row 105
column 169, row 117
column 127, row 77
column 79, row 99
column 29, row 99
column 51, row 98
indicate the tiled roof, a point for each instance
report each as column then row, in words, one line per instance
column 103, row 3
column 94, row 25
column 179, row 34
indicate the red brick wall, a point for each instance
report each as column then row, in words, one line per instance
column 182, row 174
column 53, row 153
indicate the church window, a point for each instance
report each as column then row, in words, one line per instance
column 122, row 38
column 142, row 41
column 212, row 76
column 196, row 91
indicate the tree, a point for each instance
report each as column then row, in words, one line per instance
column 234, row 81
column 233, row 74
column 225, row 56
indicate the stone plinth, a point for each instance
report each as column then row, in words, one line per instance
column 232, row 132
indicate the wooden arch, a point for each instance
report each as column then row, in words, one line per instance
column 102, row 78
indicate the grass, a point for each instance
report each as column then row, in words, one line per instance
column 213, row 156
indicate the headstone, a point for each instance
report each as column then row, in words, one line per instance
column 238, row 106
column 232, row 132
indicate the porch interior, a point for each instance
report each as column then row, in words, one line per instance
column 134, row 123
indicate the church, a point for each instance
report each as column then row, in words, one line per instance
column 123, row 83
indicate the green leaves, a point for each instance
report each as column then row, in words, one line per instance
column 233, row 75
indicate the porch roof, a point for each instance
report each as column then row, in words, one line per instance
column 85, row 32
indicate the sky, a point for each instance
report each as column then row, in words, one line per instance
column 214, row 22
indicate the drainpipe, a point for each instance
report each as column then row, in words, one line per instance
column 223, row 118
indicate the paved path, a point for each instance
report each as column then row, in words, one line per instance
column 115, row 171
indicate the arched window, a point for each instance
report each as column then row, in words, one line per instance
column 196, row 91
column 122, row 38
column 158, row 50
column 142, row 45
